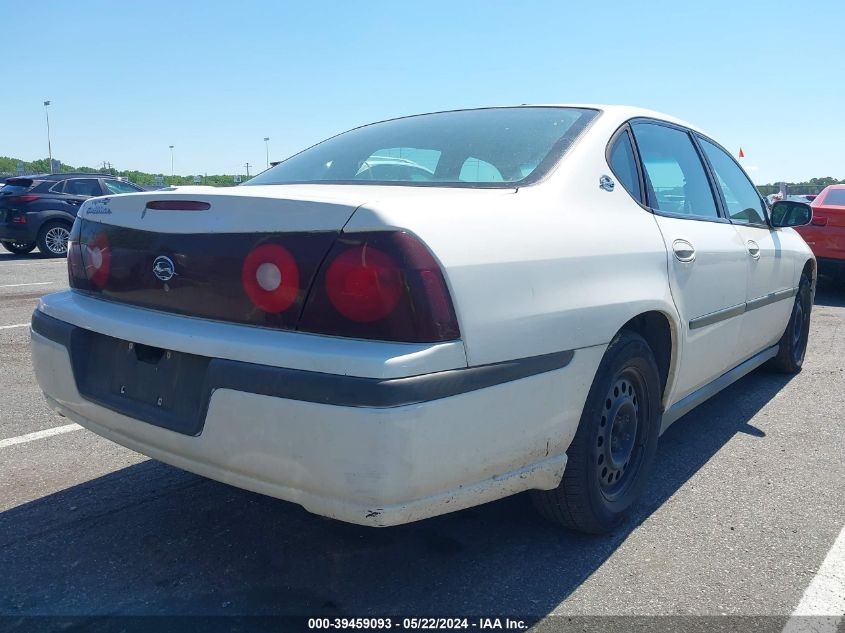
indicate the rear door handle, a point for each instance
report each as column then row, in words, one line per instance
column 684, row 251
column 753, row 249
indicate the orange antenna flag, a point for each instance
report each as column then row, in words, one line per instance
column 741, row 153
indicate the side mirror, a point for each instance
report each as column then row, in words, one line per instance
column 791, row 213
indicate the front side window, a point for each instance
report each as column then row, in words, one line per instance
column 745, row 206
column 624, row 165
column 834, row 198
column 83, row 187
column 118, row 186
column 494, row 147
column 675, row 177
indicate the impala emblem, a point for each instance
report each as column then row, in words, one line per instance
column 163, row 268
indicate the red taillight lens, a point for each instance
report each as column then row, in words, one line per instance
column 18, row 219
column 271, row 278
column 178, row 205
column 380, row 285
column 96, row 259
column 364, row 284
column 24, row 198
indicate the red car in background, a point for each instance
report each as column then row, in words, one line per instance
column 826, row 233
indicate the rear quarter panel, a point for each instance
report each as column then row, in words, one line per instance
column 556, row 266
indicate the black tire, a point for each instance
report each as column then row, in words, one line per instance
column 52, row 238
column 793, row 344
column 19, row 248
column 611, row 455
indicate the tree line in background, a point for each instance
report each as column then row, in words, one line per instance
column 812, row 186
column 9, row 167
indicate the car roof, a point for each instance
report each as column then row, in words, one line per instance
column 70, row 174
column 617, row 114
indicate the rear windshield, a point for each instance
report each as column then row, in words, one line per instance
column 16, row 186
column 835, row 197
column 494, row 147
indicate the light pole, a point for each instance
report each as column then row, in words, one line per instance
column 171, row 161
column 247, row 170
column 267, row 147
column 49, row 146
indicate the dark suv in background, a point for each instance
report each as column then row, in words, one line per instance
column 39, row 210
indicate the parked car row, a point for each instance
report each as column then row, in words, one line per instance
column 40, row 210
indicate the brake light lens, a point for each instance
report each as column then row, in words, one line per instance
column 364, row 284
column 18, row 219
column 96, row 258
column 381, row 285
column 271, row 278
column 23, row 198
column 178, row 205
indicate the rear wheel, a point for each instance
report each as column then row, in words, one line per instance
column 793, row 344
column 19, row 248
column 52, row 239
column 614, row 447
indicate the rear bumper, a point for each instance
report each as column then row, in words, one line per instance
column 16, row 232
column 381, row 452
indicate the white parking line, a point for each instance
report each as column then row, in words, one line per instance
column 29, row 437
column 34, row 283
column 824, row 599
column 9, row 327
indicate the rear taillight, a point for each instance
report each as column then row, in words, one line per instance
column 364, row 284
column 28, row 197
column 18, row 219
column 96, row 258
column 271, row 278
column 88, row 263
column 380, row 285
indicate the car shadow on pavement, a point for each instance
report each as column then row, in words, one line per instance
column 5, row 256
column 830, row 293
column 151, row 539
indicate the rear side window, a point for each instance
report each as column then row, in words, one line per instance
column 118, row 186
column 675, row 177
column 624, row 165
column 83, row 187
column 745, row 206
column 835, row 197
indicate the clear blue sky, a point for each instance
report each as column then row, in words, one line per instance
column 214, row 78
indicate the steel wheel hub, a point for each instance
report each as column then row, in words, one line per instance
column 616, row 441
column 798, row 323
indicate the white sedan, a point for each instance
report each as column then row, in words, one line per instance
column 560, row 285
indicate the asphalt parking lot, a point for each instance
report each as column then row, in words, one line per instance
column 747, row 499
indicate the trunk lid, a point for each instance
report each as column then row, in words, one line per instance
column 190, row 257
column 231, row 210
